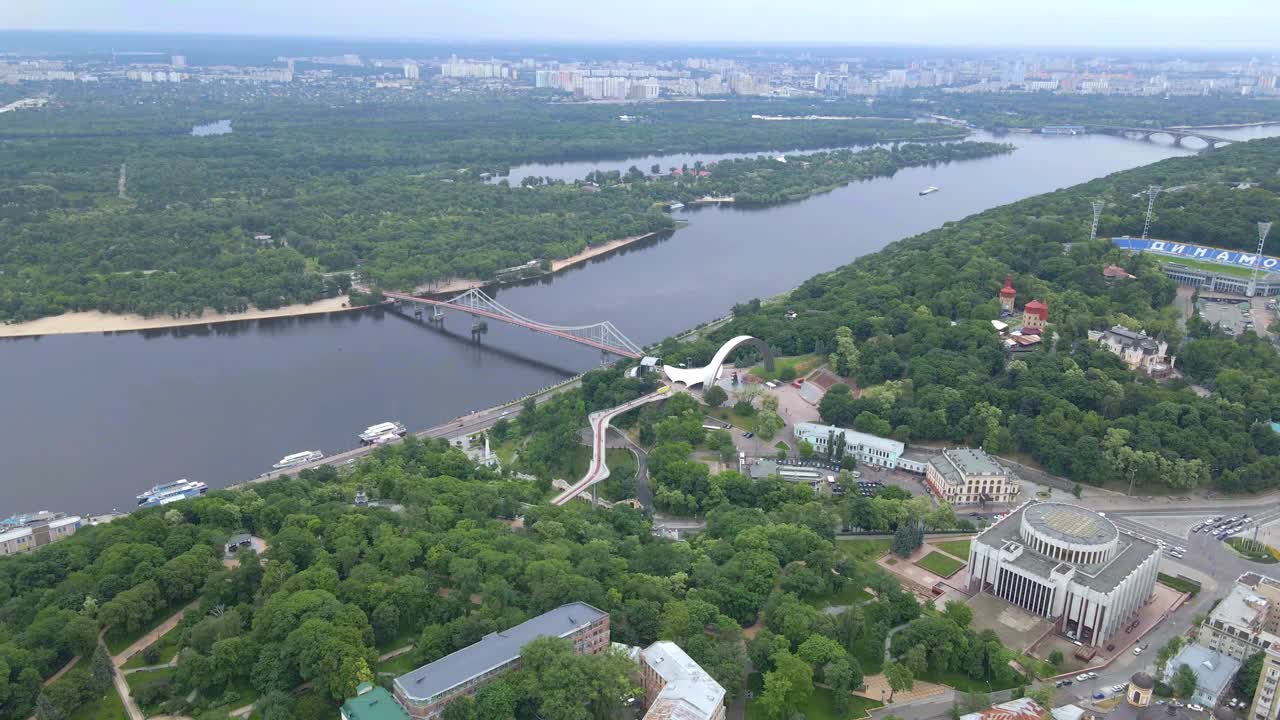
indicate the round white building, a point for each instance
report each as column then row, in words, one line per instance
column 1066, row 563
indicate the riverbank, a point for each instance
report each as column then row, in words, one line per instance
column 98, row 322
column 458, row 285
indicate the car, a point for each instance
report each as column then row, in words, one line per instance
column 1196, row 707
column 1137, row 650
column 1196, row 529
column 1179, row 549
column 1066, row 682
column 1059, row 683
column 1099, row 696
column 1117, row 688
column 748, row 434
column 1082, row 677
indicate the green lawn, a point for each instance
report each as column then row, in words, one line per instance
column 962, row 682
column 240, row 695
column 1234, row 270
column 940, row 564
column 957, row 548
column 168, row 646
column 398, row 665
column 859, row 549
column 818, row 707
column 138, row 679
column 1251, row 550
column 800, row 364
column 1179, row 584
column 116, row 643
column 107, row 707
column 851, row 594
column 573, row 465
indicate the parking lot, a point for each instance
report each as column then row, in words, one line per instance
column 1235, row 316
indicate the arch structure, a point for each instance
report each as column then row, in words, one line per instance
column 706, row 376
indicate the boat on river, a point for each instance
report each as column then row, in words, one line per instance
column 929, row 190
column 172, row 492
column 298, row 458
column 375, row 434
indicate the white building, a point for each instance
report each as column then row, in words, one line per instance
column 676, row 687
column 1137, row 349
column 38, row 533
column 1068, row 564
column 966, row 476
column 863, row 447
column 411, row 71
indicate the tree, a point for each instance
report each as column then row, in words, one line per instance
column 899, row 677
column 1246, row 681
column 845, row 358
column 276, row 705
column 839, row 677
column 789, row 685
column 1184, row 681
column 1077, row 490
column 496, row 701
column 805, row 449
column 715, row 396
column 566, row 686
column 1056, row 658
column 102, row 670
column 1167, row 651
column 917, row 660
column 907, row 538
column 464, row 708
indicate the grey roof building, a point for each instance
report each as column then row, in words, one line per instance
column 1213, row 672
column 426, row 691
column 1066, row 563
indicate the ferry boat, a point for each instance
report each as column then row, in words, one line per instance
column 929, row 190
column 385, row 438
column 172, row 492
column 298, row 458
column 374, row 433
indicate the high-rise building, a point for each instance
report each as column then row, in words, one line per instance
column 411, row 71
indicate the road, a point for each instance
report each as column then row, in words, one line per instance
column 465, row 425
column 644, row 494
column 599, row 469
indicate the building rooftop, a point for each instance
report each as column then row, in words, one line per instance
column 1071, row 523
column 493, row 650
column 1247, row 606
column 373, row 703
column 1021, row 709
column 858, row 438
column 27, row 530
column 955, row 463
column 1131, row 551
column 1213, row 669
column 689, row 694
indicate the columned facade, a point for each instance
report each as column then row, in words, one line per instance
column 1066, row 564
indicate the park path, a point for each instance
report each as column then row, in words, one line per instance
column 117, row 678
column 394, row 653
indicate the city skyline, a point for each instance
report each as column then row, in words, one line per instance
column 1142, row 24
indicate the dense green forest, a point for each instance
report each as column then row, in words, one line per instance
column 919, row 314
column 339, row 583
column 381, row 191
column 997, row 111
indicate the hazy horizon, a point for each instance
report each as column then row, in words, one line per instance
column 1140, row 24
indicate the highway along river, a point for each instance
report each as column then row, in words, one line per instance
column 88, row 421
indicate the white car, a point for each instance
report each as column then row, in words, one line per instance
column 1117, row 688
column 1082, row 677
column 1197, row 708
column 1137, row 650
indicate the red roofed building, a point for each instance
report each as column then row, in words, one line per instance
column 1035, row 315
column 1007, row 294
column 1112, row 272
column 1020, row 709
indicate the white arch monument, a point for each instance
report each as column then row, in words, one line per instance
column 706, row 376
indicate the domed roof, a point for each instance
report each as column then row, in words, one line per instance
column 1070, row 523
column 1222, row 712
column 1142, row 681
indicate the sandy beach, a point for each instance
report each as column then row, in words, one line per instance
column 457, row 285
column 93, row 321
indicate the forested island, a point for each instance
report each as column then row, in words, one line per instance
column 288, row 207
column 919, row 314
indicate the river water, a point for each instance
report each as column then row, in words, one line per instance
column 88, row 421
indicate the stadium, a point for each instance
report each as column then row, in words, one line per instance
column 1209, row 268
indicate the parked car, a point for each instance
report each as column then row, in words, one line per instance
column 1098, row 696
column 1137, row 650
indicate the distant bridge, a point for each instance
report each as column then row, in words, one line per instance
column 1177, row 134
column 602, row 336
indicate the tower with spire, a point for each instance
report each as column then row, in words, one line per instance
column 1007, row 294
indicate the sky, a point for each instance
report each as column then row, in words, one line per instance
column 1225, row 24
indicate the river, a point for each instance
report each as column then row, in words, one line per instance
column 88, row 421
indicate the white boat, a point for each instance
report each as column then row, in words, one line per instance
column 298, row 458
column 374, row 432
column 172, row 492
column 929, row 190
column 385, row 438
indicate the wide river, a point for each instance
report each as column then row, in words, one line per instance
column 88, row 421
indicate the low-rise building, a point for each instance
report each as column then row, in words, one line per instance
column 863, row 447
column 1137, row 349
column 1214, row 672
column 1246, row 621
column 676, row 687
column 372, row 703
column 426, row 692
column 38, row 532
column 1023, row 708
column 966, row 476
